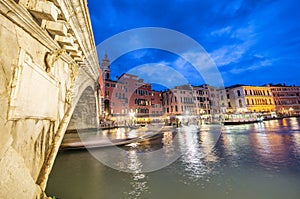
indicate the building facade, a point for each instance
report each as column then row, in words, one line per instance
column 129, row 97
column 201, row 100
column 131, row 94
column 223, row 101
column 245, row 99
column 286, row 99
column 179, row 101
column 157, row 109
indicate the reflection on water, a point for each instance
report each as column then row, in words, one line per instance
column 138, row 180
column 249, row 161
column 197, row 148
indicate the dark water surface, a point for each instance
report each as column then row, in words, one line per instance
column 255, row 161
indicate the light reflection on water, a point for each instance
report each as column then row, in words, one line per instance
column 249, row 161
column 138, row 180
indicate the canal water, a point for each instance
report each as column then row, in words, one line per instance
column 258, row 161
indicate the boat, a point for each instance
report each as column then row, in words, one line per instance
column 242, row 122
column 247, row 118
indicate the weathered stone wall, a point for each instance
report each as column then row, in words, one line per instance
column 85, row 112
column 24, row 141
column 37, row 82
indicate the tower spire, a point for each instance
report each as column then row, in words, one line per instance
column 105, row 65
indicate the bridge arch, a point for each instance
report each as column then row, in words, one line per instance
column 85, row 114
column 86, row 98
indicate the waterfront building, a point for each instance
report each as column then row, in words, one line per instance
column 223, row 101
column 201, row 100
column 214, row 100
column 286, row 99
column 179, row 101
column 209, row 102
column 255, row 99
column 129, row 97
column 140, row 97
column 156, row 109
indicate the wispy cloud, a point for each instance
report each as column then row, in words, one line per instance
column 260, row 64
column 222, row 31
column 243, row 38
column 199, row 67
column 161, row 73
column 240, row 35
column 229, row 54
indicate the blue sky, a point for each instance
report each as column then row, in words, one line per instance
column 251, row 42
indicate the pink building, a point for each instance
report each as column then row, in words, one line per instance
column 129, row 97
column 286, row 98
column 179, row 101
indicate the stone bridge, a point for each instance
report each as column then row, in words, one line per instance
column 48, row 61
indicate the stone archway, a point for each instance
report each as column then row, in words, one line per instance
column 85, row 101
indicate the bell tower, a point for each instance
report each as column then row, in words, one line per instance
column 105, row 65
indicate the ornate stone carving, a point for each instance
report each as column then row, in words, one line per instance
column 69, row 96
column 73, row 74
column 32, row 86
column 51, row 58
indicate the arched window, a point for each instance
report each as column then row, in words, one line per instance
column 240, row 103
